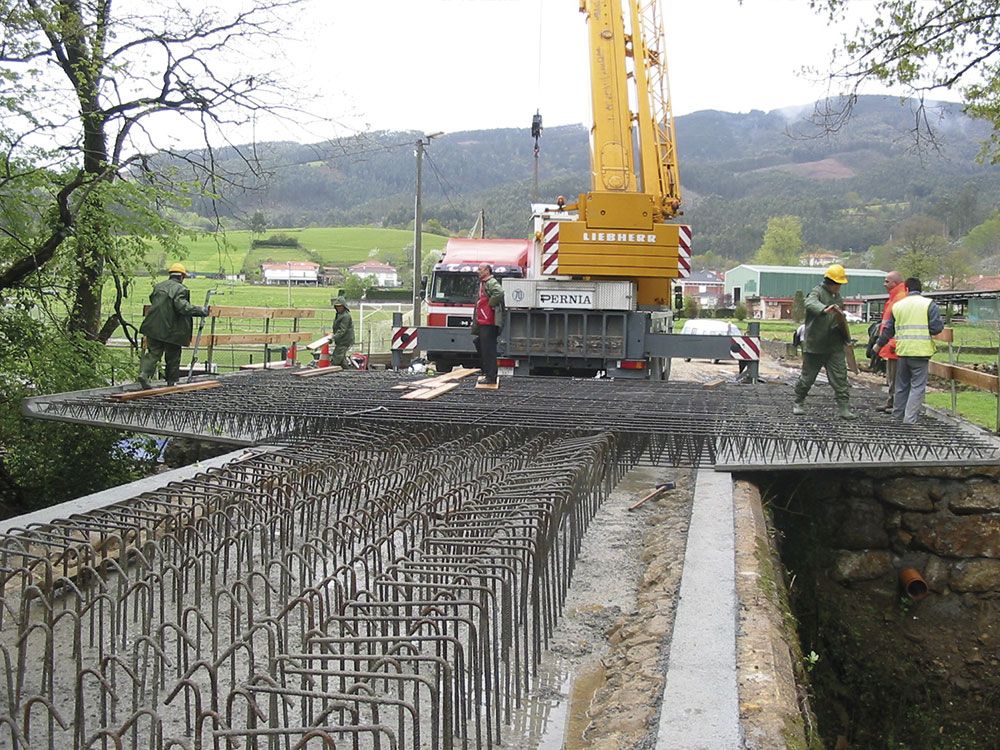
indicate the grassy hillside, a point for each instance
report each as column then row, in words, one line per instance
column 332, row 246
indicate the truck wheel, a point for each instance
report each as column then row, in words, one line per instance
column 443, row 365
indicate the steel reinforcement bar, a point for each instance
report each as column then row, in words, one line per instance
column 377, row 587
column 688, row 424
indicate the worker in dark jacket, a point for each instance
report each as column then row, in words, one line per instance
column 823, row 343
column 167, row 326
column 486, row 320
column 914, row 320
column 342, row 333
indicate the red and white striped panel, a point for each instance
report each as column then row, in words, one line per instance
column 683, row 251
column 745, row 347
column 550, row 248
column 404, row 339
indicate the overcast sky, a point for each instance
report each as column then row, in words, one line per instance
column 450, row 65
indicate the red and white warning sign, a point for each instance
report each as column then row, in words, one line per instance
column 404, row 339
column 744, row 347
column 683, row 251
column 550, row 248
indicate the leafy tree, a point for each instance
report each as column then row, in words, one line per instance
column 927, row 48
column 691, row 306
column 984, row 239
column 782, row 243
column 81, row 83
column 799, row 306
column 43, row 462
column 355, row 286
column 258, row 224
column 955, row 268
column 916, row 248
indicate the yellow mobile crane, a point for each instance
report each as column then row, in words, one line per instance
column 594, row 298
column 596, row 295
column 622, row 229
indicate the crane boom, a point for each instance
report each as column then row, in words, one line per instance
column 621, row 229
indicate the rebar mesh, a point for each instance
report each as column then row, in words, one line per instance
column 374, row 588
column 691, row 425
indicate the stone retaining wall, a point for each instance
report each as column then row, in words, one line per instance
column 886, row 665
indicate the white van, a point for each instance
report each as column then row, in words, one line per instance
column 709, row 327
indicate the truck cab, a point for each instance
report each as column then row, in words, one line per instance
column 454, row 285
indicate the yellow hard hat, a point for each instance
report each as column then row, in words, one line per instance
column 836, row 274
column 177, row 268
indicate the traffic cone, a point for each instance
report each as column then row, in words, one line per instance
column 291, row 356
column 324, row 356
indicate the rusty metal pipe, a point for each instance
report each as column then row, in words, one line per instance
column 913, row 584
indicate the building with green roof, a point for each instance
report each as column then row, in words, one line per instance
column 768, row 291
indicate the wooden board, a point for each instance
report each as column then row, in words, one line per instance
column 981, row 380
column 313, row 372
column 426, row 394
column 222, row 339
column 948, row 335
column 319, row 342
column 132, row 395
column 272, row 313
column 457, row 374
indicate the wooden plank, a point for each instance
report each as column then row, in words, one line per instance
column 426, row 394
column 947, row 335
column 230, row 311
column 319, row 342
column 222, row 339
column 981, row 380
column 457, row 374
column 283, row 313
column 132, row 395
column 313, row 372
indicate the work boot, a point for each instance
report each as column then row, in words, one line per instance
column 798, row 408
column 144, row 383
column 844, row 412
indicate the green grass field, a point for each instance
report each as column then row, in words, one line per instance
column 978, row 407
column 334, row 246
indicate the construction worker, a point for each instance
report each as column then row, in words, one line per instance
column 167, row 326
column 342, row 333
column 897, row 290
column 823, row 343
column 914, row 320
column 487, row 318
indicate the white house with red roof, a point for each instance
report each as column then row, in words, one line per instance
column 296, row 272
column 381, row 273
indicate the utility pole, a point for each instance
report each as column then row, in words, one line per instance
column 418, row 221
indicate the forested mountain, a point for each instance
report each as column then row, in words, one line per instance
column 850, row 188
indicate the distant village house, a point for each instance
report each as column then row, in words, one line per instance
column 295, row 272
column 382, row 274
column 707, row 287
column 820, row 259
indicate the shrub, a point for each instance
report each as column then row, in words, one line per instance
column 740, row 313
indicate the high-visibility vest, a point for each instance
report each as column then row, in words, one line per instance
column 913, row 336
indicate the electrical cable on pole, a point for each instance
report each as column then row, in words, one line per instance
column 418, row 220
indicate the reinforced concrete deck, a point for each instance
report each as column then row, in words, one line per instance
column 729, row 426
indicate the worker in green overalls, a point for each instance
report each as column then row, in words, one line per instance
column 823, row 343
column 342, row 333
column 167, row 326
